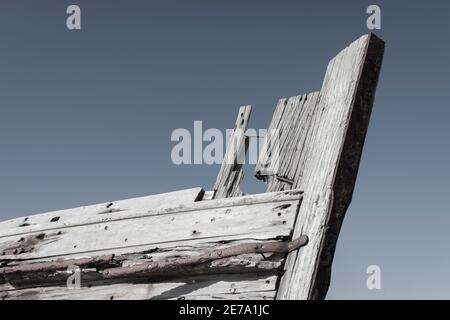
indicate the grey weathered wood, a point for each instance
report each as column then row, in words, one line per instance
column 209, row 195
column 35, row 258
column 235, row 218
column 319, row 139
column 173, row 202
column 59, row 264
column 109, row 267
column 231, row 174
column 235, row 286
column 327, row 163
column 109, row 211
column 178, row 264
column 287, row 140
column 154, row 230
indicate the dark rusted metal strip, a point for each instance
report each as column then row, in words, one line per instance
column 58, row 265
column 245, row 248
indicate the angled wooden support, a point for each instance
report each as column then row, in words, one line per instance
column 231, row 174
column 321, row 150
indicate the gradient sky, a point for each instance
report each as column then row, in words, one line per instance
column 86, row 116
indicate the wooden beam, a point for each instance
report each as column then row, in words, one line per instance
column 232, row 231
column 108, row 211
column 231, row 174
column 327, row 165
column 60, row 264
column 108, row 267
column 206, row 287
column 189, row 226
column 150, row 268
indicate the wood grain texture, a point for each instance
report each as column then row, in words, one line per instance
column 327, row 165
column 165, row 235
column 178, row 264
column 287, row 142
column 231, row 174
column 314, row 143
column 212, row 261
column 234, row 286
column 213, row 220
column 92, row 214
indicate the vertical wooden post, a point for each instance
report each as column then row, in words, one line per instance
column 231, row 174
column 330, row 159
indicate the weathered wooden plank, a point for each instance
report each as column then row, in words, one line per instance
column 110, row 211
column 328, row 163
column 209, row 195
column 264, row 167
column 153, row 230
column 228, row 259
column 150, row 268
column 59, row 264
column 278, row 210
column 236, row 286
column 247, row 263
column 286, row 141
column 210, row 220
column 74, row 217
column 166, row 250
column 231, row 174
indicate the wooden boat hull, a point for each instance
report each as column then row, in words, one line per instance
column 193, row 244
